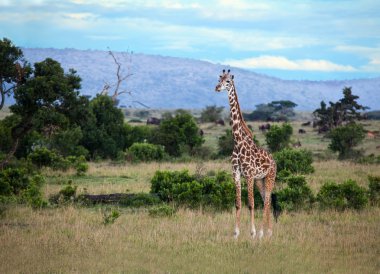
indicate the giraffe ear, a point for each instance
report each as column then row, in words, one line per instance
column 228, row 71
column 224, row 71
column 232, row 77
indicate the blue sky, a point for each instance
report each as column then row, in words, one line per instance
column 315, row 40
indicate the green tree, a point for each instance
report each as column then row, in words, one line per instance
column 345, row 138
column 13, row 69
column 275, row 110
column 344, row 111
column 43, row 102
column 278, row 138
column 106, row 135
column 178, row 132
column 211, row 114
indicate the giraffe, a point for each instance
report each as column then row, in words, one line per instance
column 249, row 160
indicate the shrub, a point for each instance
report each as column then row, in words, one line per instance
column 226, row 143
column 345, row 138
column 65, row 195
column 211, row 114
column 297, row 195
column 140, row 200
column 348, row 195
column 370, row 159
column 32, row 195
column 13, row 181
column 146, row 152
column 216, row 191
column 278, row 138
column 176, row 132
column 43, row 157
column 161, row 211
column 163, row 182
column 374, row 189
column 295, row 161
column 110, row 215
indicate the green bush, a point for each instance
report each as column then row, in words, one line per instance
column 295, row 161
column 140, row 200
column 110, row 215
column 297, row 195
column 374, row 189
column 345, row 138
column 369, row 159
column 13, row 181
column 65, row 195
column 146, row 152
column 348, row 195
column 43, row 157
column 216, row 191
column 278, row 138
column 32, row 195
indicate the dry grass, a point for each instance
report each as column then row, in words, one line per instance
column 74, row 240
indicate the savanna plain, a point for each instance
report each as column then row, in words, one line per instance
column 74, row 239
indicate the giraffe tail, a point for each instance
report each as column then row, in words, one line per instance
column 276, row 206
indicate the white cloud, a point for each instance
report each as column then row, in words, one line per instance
column 370, row 53
column 282, row 63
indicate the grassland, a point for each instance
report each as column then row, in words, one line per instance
column 74, row 239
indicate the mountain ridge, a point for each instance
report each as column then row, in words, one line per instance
column 173, row 82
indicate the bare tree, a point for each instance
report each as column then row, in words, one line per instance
column 122, row 76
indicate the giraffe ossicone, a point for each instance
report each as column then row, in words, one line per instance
column 253, row 162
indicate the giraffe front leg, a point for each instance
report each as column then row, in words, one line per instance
column 251, row 205
column 236, row 174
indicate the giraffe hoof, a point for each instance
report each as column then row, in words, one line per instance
column 270, row 233
column 261, row 234
column 236, row 233
column 253, row 233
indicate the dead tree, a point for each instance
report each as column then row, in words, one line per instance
column 115, row 89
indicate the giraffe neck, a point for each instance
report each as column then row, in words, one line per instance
column 239, row 127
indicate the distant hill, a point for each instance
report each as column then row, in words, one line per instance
column 168, row 82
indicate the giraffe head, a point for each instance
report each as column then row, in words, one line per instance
column 225, row 81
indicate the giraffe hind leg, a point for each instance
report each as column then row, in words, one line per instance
column 267, row 221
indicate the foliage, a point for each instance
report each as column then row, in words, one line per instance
column 297, row 195
column 374, row 190
column 278, row 138
column 106, row 135
column 140, row 200
column 216, row 191
column 65, row 195
column 13, row 68
column 348, row 195
column 146, row 152
column 43, row 157
column 138, row 134
column 32, row 195
column 369, row 159
column 346, row 110
column 226, row 143
column 275, row 110
column 345, row 138
column 177, row 132
column 110, row 215
column 211, row 114
column 13, row 181
column 162, row 211
column 294, row 161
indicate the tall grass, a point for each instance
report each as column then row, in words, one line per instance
column 69, row 239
